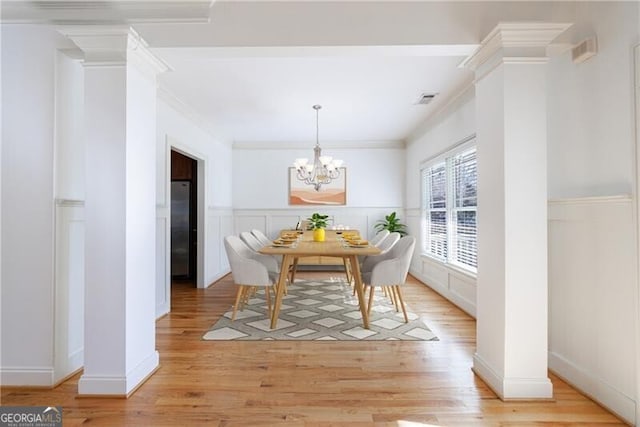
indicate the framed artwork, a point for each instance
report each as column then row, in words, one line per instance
column 332, row 194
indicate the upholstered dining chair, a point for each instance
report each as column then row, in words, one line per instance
column 376, row 241
column 249, row 271
column 251, row 240
column 255, row 245
column 379, row 237
column 261, row 237
column 392, row 272
column 385, row 246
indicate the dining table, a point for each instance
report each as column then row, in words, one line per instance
column 334, row 245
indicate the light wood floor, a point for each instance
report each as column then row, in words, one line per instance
column 404, row 384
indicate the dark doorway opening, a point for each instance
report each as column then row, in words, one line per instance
column 184, row 190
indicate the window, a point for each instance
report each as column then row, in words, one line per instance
column 450, row 208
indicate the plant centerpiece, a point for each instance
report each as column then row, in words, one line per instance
column 392, row 223
column 318, row 223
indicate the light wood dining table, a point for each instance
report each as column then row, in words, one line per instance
column 333, row 246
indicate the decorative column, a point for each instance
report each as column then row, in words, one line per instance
column 120, row 135
column 511, row 123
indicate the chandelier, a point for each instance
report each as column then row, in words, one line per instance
column 323, row 169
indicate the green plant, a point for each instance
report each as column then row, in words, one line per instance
column 392, row 223
column 317, row 221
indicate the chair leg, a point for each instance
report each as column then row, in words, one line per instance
column 267, row 292
column 394, row 298
column 404, row 309
column 238, row 297
column 370, row 299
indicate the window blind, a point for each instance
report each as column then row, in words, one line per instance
column 450, row 208
column 465, row 184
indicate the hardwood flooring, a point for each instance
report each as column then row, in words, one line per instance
column 404, row 384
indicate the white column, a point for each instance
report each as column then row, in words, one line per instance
column 512, row 209
column 120, row 132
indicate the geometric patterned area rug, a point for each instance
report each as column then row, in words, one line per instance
column 320, row 310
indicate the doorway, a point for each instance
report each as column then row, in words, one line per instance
column 184, row 219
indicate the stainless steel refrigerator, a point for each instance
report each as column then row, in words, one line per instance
column 181, row 229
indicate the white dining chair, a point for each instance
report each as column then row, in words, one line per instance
column 379, row 237
column 376, row 241
column 249, row 271
column 261, row 237
column 251, row 241
column 255, row 245
column 385, row 246
column 392, row 272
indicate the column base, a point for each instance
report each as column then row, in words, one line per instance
column 119, row 386
column 513, row 388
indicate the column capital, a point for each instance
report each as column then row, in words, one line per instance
column 113, row 45
column 517, row 40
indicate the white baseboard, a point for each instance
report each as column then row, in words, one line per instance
column 218, row 276
column 461, row 302
column 161, row 310
column 512, row 388
column 119, row 385
column 620, row 404
column 23, row 376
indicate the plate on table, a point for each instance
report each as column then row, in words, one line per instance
column 281, row 244
column 359, row 244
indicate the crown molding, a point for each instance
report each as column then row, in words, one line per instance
column 190, row 114
column 105, row 12
column 101, row 44
column 113, row 45
column 303, row 145
column 518, row 39
column 443, row 109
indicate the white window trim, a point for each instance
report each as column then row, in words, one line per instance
column 445, row 155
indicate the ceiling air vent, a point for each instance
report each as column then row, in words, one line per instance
column 426, row 98
column 584, row 50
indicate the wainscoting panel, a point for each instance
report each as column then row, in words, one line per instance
column 219, row 225
column 249, row 222
column 592, row 298
column 456, row 286
column 226, row 225
column 163, row 261
column 280, row 222
column 69, row 288
column 271, row 221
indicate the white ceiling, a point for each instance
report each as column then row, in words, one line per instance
column 262, row 97
column 252, row 70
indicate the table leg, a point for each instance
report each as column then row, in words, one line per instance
column 284, row 271
column 357, row 279
column 294, row 267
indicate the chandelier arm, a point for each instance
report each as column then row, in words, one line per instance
column 318, row 173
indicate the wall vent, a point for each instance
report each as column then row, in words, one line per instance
column 584, row 50
column 426, row 98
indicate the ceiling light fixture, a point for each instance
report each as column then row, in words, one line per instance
column 323, row 170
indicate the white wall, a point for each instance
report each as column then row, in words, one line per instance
column 261, row 176
column 452, row 125
column 592, row 249
column 590, row 107
column 375, row 182
column 69, row 216
column 28, row 86
column 177, row 127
